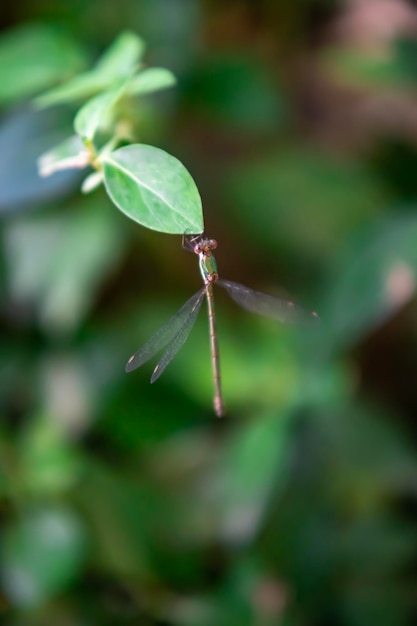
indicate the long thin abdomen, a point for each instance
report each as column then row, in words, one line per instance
column 218, row 398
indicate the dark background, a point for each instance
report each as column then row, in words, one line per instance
column 126, row 503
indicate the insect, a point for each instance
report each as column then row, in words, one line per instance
column 175, row 332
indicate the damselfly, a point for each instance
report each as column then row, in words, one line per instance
column 174, row 333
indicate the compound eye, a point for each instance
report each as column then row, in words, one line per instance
column 213, row 244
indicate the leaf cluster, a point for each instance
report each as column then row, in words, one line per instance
column 150, row 186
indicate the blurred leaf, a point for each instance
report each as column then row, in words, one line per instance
column 42, row 553
column 154, row 189
column 34, row 56
column 122, row 56
column 78, row 88
column 254, row 462
column 96, row 112
column 151, row 79
column 70, row 153
column 24, row 136
column 116, row 63
column 92, row 181
column 49, row 464
column 375, row 276
column 73, row 253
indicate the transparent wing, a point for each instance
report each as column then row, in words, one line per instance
column 180, row 338
column 270, row 306
column 166, row 333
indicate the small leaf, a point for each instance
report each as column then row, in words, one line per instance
column 154, row 189
column 96, row 112
column 92, row 181
column 151, row 79
column 120, row 60
column 122, row 56
column 78, row 88
column 70, row 153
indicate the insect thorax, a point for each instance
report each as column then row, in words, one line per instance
column 208, row 267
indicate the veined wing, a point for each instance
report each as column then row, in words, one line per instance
column 167, row 332
column 181, row 337
column 270, row 306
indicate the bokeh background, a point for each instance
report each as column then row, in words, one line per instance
column 126, row 503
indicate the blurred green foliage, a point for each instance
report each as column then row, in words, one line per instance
column 126, row 503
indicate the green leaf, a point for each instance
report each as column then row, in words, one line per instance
column 80, row 87
column 70, row 153
column 32, row 58
column 151, row 79
column 154, row 189
column 71, row 263
column 120, row 60
column 96, row 112
column 245, row 479
column 122, row 56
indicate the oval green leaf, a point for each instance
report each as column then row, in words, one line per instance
column 154, row 189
